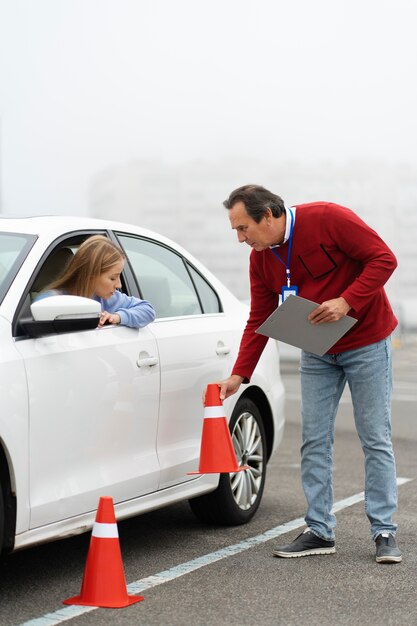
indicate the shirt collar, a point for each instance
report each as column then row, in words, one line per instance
column 287, row 228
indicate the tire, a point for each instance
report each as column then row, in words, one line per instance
column 1, row 519
column 238, row 496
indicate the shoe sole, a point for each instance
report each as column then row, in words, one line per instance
column 312, row 552
column 389, row 559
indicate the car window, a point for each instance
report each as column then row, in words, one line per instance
column 208, row 297
column 51, row 266
column 13, row 250
column 162, row 277
column 54, row 264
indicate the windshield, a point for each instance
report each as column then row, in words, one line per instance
column 14, row 248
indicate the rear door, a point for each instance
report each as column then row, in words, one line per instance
column 197, row 344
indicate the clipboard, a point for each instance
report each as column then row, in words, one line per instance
column 289, row 323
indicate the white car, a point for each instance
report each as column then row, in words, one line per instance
column 116, row 411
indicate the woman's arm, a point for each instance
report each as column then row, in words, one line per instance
column 132, row 311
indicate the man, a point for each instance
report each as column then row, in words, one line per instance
column 327, row 253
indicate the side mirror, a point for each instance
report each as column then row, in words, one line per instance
column 61, row 314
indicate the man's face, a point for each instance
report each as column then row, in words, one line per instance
column 257, row 236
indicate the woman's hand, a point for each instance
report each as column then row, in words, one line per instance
column 109, row 318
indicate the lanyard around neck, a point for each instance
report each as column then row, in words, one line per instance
column 287, row 264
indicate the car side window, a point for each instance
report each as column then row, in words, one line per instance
column 208, row 297
column 51, row 266
column 162, row 277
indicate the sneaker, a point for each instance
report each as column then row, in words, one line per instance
column 387, row 550
column 306, row 544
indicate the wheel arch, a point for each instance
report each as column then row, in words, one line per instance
column 259, row 398
column 9, row 503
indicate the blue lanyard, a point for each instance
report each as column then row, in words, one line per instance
column 287, row 264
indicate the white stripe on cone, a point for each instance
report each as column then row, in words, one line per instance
column 105, row 531
column 214, row 411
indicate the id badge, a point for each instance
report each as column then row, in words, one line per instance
column 289, row 291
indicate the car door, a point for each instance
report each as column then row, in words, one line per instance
column 94, row 401
column 196, row 343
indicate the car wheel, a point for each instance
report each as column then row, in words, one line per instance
column 238, row 496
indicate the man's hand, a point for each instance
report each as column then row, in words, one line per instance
column 329, row 311
column 228, row 387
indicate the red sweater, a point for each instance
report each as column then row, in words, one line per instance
column 334, row 253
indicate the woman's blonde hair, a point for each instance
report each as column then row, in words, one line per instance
column 95, row 256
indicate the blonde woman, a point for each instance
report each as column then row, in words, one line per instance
column 94, row 272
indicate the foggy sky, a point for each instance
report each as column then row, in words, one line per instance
column 87, row 84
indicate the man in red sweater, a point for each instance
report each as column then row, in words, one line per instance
column 332, row 257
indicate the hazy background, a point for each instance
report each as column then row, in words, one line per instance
column 152, row 111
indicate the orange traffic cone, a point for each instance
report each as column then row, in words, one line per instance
column 217, row 454
column 104, row 582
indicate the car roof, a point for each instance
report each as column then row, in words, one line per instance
column 58, row 224
column 47, row 228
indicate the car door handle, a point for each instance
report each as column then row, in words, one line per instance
column 221, row 350
column 149, row 361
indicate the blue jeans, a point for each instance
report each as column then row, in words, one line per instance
column 368, row 372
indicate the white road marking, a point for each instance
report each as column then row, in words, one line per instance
column 69, row 612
